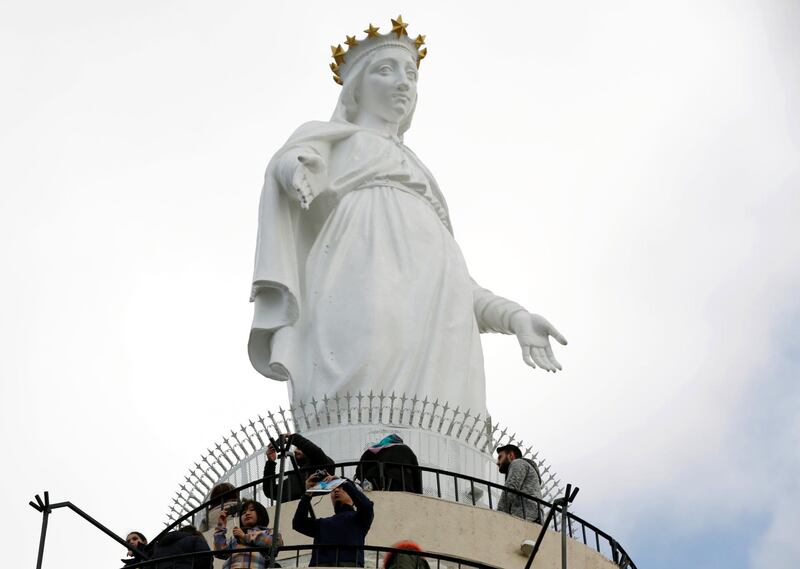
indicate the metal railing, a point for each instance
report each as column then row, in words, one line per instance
column 449, row 486
column 300, row 554
column 443, row 484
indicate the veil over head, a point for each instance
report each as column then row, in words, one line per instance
column 347, row 105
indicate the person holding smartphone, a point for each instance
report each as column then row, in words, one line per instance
column 349, row 525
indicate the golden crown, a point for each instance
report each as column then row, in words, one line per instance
column 356, row 49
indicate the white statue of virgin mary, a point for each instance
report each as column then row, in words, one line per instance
column 359, row 284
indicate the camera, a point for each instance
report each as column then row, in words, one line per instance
column 320, row 475
column 233, row 509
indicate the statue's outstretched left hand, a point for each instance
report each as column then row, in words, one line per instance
column 533, row 332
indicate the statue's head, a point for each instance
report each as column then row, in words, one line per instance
column 387, row 85
column 378, row 75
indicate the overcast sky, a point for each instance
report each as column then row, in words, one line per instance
column 630, row 170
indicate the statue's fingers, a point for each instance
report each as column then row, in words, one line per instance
column 548, row 365
column 303, row 192
column 301, row 185
column 537, row 358
column 299, row 179
column 527, row 357
column 552, row 357
column 542, row 357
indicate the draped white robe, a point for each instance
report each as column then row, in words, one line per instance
column 367, row 290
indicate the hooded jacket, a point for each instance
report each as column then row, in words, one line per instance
column 401, row 474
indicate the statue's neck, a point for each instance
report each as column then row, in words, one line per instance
column 368, row 120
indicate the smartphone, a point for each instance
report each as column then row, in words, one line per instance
column 323, row 487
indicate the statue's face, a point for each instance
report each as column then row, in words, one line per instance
column 388, row 86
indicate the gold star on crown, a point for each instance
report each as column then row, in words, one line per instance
column 397, row 37
column 337, row 52
column 399, row 27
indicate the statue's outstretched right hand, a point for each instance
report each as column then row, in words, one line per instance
column 310, row 178
column 533, row 332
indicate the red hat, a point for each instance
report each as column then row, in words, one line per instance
column 405, row 544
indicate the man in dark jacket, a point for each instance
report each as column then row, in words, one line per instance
column 308, row 458
column 390, row 465
column 349, row 525
column 185, row 540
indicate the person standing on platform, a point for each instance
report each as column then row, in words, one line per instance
column 405, row 560
column 349, row 525
column 137, row 541
column 521, row 475
column 184, row 540
column 400, row 469
column 252, row 531
column 308, row 458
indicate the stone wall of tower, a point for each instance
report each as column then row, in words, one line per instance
column 455, row 529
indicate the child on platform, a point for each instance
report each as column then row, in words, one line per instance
column 252, row 531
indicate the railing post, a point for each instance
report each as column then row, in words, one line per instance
column 281, row 445
column 44, row 508
column 564, row 522
column 562, row 503
column 42, row 538
column 540, row 537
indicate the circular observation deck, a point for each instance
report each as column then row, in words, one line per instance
column 454, row 515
